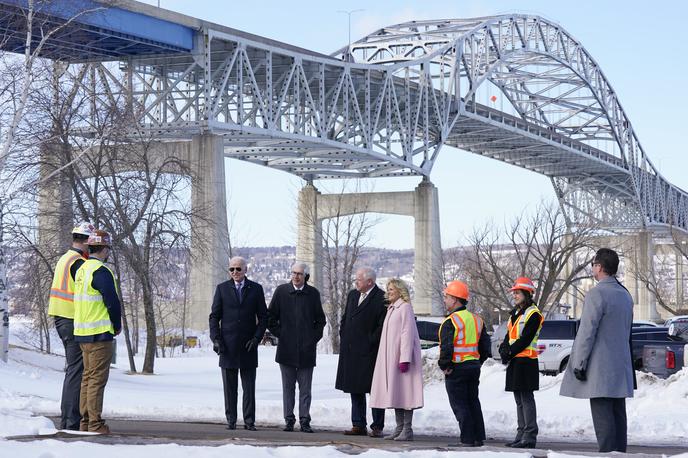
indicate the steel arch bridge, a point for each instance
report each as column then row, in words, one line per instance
column 385, row 106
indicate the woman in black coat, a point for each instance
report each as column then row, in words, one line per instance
column 519, row 351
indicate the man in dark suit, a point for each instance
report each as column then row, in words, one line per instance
column 359, row 337
column 237, row 323
column 297, row 318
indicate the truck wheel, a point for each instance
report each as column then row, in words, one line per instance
column 563, row 365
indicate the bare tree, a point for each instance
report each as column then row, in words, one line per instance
column 539, row 246
column 344, row 234
column 20, row 76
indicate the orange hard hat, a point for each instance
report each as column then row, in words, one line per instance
column 458, row 289
column 523, row 284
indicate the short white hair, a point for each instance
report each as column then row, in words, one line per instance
column 367, row 273
column 303, row 265
column 239, row 259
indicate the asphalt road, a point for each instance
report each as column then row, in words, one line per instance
column 213, row 434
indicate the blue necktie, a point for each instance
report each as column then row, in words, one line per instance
column 238, row 290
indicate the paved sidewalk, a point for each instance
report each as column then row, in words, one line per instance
column 213, row 434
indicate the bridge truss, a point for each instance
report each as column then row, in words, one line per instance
column 386, row 105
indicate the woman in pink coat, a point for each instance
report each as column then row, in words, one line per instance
column 398, row 376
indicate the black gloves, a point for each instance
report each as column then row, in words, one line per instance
column 217, row 347
column 505, row 353
column 251, row 345
column 580, row 374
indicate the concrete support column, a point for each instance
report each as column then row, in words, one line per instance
column 55, row 213
column 679, row 279
column 427, row 270
column 309, row 243
column 209, row 235
column 645, row 256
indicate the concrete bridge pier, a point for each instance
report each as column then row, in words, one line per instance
column 209, row 234
column 421, row 204
column 309, row 242
column 641, row 260
column 55, row 211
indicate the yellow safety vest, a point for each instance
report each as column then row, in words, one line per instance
column 91, row 316
column 467, row 329
column 61, row 301
column 516, row 330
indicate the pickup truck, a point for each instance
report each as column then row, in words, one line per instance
column 671, row 356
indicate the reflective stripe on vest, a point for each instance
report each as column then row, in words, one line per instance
column 91, row 316
column 516, row 330
column 467, row 328
column 61, row 301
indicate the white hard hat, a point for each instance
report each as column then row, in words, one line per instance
column 84, row 228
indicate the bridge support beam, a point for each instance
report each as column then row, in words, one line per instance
column 209, row 234
column 309, row 243
column 421, row 204
column 55, row 213
column 641, row 259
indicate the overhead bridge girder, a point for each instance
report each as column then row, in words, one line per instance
column 386, row 105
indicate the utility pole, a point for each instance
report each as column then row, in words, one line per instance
column 349, row 13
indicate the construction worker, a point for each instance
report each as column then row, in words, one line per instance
column 97, row 319
column 61, row 308
column 464, row 345
column 519, row 351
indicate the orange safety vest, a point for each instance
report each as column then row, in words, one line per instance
column 516, row 330
column 61, row 301
column 467, row 329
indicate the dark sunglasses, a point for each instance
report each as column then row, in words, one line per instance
column 232, row 269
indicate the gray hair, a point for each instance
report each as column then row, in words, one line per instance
column 303, row 265
column 368, row 273
column 241, row 260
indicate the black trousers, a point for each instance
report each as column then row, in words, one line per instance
column 462, row 390
column 74, row 368
column 609, row 420
column 230, row 382
column 358, row 413
column 526, row 414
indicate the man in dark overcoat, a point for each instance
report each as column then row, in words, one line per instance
column 359, row 337
column 297, row 318
column 238, row 319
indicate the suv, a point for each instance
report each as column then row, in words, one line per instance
column 555, row 343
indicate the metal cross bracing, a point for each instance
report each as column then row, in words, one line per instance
column 387, row 104
column 562, row 117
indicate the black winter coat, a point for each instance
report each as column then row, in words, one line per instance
column 359, row 337
column 522, row 374
column 235, row 324
column 297, row 319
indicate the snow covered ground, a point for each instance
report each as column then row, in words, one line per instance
column 189, row 388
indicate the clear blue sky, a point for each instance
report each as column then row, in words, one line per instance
column 639, row 45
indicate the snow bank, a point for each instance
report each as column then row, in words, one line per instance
column 189, row 388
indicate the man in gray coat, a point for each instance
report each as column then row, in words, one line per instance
column 600, row 367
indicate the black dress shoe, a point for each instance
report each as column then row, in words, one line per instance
column 306, row 428
column 231, row 425
column 512, row 443
column 524, row 445
column 464, row 444
column 289, row 427
column 250, row 427
column 478, row 444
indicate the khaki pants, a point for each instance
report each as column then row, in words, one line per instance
column 97, row 357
